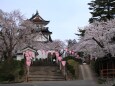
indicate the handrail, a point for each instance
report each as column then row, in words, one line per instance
column 107, row 72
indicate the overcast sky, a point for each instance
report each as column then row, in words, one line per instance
column 65, row 16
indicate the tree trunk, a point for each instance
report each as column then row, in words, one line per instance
column 9, row 57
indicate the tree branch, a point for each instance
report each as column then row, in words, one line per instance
column 102, row 46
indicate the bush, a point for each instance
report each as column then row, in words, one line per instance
column 95, row 67
column 10, row 77
column 101, row 81
column 80, row 54
column 11, row 71
column 71, row 62
column 73, row 58
column 102, row 63
column 7, row 77
column 21, row 72
column 73, row 68
column 73, row 65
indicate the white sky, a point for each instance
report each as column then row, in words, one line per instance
column 65, row 16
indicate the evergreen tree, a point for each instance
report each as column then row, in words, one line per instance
column 70, row 43
column 102, row 10
column 81, row 33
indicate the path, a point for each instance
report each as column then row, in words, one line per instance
column 57, row 83
column 86, row 72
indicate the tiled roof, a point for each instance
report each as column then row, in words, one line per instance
column 46, row 30
column 38, row 19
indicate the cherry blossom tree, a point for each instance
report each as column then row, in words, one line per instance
column 99, row 39
column 13, row 31
column 56, row 45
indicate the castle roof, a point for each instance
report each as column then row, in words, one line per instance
column 46, row 31
column 37, row 19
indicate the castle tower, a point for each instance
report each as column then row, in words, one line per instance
column 43, row 33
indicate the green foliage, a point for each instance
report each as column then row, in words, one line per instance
column 77, row 70
column 101, row 81
column 9, row 71
column 70, row 43
column 96, row 68
column 102, row 10
column 82, row 32
column 71, row 62
column 70, row 66
column 73, row 67
column 68, row 57
column 80, row 54
column 7, row 77
column 97, row 65
column 45, row 62
column 73, row 58
column 102, row 63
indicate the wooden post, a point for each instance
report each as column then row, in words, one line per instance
column 102, row 69
column 27, row 74
column 113, row 69
column 107, row 70
column 60, row 65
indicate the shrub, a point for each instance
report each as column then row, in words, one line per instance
column 7, row 77
column 101, row 81
column 11, row 71
column 71, row 62
column 95, row 67
column 102, row 63
column 73, row 68
column 21, row 72
column 73, row 58
column 73, row 65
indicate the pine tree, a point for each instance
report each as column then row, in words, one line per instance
column 102, row 10
column 81, row 32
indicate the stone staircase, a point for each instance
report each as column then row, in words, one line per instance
column 45, row 73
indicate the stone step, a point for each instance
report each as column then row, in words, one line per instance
column 44, row 69
column 45, row 73
column 46, row 79
column 57, row 74
column 47, row 76
column 49, row 70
